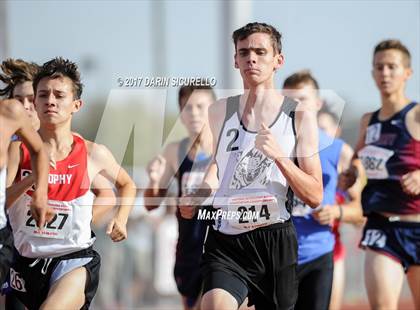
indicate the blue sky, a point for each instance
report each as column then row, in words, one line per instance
column 334, row 39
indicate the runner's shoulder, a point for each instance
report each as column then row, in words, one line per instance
column 364, row 121
column 95, row 150
column 170, row 153
column 414, row 114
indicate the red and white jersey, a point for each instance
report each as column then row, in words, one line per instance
column 3, row 220
column 69, row 196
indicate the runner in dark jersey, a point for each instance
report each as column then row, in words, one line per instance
column 187, row 161
column 388, row 148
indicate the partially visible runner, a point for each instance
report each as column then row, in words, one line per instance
column 389, row 148
column 329, row 122
column 251, row 250
column 17, row 76
column 14, row 120
column 313, row 227
column 57, row 267
column 186, row 160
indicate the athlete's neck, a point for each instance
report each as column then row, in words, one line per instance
column 258, row 106
column 259, row 90
column 392, row 104
column 256, row 98
column 58, row 141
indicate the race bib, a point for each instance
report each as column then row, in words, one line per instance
column 374, row 160
column 374, row 237
column 300, row 208
column 251, row 211
column 16, row 281
column 58, row 228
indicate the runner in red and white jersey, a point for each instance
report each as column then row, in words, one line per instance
column 56, row 267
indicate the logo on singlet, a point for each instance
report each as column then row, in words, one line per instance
column 252, row 168
column 59, row 178
column 52, row 178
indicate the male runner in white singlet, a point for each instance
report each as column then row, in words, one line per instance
column 252, row 250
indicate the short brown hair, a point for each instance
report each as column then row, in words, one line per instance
column 14, row 72
column 60, row 67
column 250, row 28
column 300, row 77
column 185, row 92
column 394, row 44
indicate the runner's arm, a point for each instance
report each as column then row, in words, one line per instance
column 156, row 190
column 105, row 199
column 306, row 178
column 15, row 190
column 126, row 190
column 217, row 113
column 39, row 161
column 356, row 171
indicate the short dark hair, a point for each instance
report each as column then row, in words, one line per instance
column 185, row 92
column 250, row 28
column 394, row 44
column 60, row 67
column 14, row 72
column 300, row 77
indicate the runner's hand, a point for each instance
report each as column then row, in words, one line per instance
column 40, row 211
column 117, row 230
column 410, row 182
column 267, row 144
column 326, row 215
column 189, row 204
column 156, row 168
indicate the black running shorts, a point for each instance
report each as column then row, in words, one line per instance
column 260, row 264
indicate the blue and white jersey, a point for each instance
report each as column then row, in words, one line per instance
column 314, row 239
